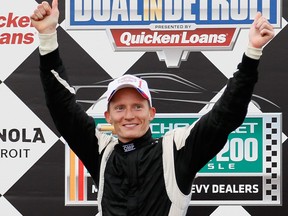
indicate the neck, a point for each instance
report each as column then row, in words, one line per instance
column 146, row 139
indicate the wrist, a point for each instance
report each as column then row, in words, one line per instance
column 254, row 53
column 47, row 31
column 48, row 42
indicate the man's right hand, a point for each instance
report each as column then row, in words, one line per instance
column 45, row 18
column 261, row 32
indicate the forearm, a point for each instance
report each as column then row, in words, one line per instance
column 232, row 107
column 69, row 117
column 210, row 133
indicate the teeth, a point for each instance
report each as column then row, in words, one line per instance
column 130, row 125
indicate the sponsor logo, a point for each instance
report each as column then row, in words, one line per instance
column 15, row 29
column 141, row 38
column 246, row 171
column 14, row 136
column 156, row 25
column 129, row 147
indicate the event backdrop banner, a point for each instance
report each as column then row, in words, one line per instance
column 186, row 50
column 246, row 171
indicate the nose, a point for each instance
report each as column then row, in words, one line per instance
column 129, row 114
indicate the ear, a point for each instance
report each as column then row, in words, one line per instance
column 107, row 117
column 152, row 113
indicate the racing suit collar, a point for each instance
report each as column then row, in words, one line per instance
column 133, row 145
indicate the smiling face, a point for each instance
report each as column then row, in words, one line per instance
column 130, row 114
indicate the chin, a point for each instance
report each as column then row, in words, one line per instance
column 130, row 136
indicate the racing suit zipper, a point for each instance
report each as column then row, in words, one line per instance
column 132, row 198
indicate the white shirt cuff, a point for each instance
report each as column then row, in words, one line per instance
column 48, row 43
column 254, row 53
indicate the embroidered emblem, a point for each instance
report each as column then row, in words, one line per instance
column 128, row 147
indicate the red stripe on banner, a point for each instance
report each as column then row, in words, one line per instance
column 80, row 181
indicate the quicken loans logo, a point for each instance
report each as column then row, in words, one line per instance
column 13, row 29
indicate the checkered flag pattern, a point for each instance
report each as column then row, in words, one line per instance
column 273, row 145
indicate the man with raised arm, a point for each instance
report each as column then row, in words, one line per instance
column 136, row 174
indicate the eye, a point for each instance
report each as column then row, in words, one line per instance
column 119, row 108
column 138, row 107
